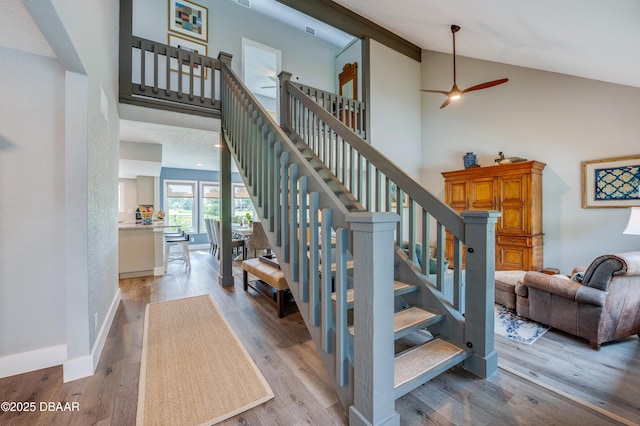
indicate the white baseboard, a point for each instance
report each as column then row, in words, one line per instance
column 24, row 362
column 84, row 366
column 77, row 368
column 158, row 270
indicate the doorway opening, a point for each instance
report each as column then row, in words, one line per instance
column 261, row 65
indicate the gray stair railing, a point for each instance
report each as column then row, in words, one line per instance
column 303, row 217
column 351, row 112
column 380, row 186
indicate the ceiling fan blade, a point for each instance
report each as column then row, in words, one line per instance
column 445, row 103
column 485, row 85
column 435, row 91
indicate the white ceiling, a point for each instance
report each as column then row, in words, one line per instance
column 182, row 147
column 595, row 39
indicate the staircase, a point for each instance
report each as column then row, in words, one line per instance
column 346, row 225
column 327, row 197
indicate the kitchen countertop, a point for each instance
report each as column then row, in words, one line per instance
column 153, row 225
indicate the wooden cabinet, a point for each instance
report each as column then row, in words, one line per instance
column 515, row 190
column 145, row 190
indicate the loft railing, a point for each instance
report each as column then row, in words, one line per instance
column 350, row 112
column 170, row 78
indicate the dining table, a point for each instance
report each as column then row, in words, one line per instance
column 242, row 230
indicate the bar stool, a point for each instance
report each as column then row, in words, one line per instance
column 176, row 248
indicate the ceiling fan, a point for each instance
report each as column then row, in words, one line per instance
column 455, row 93
column 272, row 79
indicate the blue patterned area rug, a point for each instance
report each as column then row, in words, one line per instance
column 522, row 330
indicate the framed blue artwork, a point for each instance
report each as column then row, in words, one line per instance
column 611, row 182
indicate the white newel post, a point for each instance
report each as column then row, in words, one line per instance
column 480, row 242
column 373, row 258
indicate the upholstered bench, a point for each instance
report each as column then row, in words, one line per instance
column 270, row 275
column 506, row 287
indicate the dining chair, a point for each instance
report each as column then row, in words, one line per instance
column 236, row 243
column 258, row 239
column 213, row 240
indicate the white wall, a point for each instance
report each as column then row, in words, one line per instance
column 32, row 274
column 553, row 118
column 394, row 105
column 307, row 57
column 62, row 172
column 96, row 43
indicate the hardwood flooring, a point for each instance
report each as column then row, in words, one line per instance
column 282, row 349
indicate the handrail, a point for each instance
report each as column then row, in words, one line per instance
column 465, row 297
column 301, row 212
column 350, row 112
column 373, row 178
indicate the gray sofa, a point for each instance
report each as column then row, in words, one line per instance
column 604, row 307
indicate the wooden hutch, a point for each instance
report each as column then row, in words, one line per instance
column 515, row 190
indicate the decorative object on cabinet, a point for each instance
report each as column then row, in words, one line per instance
column 470, row 160
column 189, row 19
column 611, row 182
column 515, row 190
column 508, row 160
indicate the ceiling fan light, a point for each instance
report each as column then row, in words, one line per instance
column 455, row 96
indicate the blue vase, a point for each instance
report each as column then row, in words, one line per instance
column 470, row 159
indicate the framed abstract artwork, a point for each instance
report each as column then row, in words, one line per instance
column 611, row 182
column 190, row 46
column 189, row 19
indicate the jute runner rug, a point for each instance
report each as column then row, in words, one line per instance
column 194, row 370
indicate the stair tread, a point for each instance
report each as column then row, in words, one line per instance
column 413, row 363
column 398, row 288
column 408, row 318
column 411, row 317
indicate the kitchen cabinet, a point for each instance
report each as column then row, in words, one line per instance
column 515, row 190
column 140, row 250
column 145, row 190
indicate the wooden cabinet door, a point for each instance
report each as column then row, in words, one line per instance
column 513, row 201
column 456, row 194
column 512, row 257
column 481, row 193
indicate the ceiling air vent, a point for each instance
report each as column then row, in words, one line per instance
column 310, row 30
column 245, row 3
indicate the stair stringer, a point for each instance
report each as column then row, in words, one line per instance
column 451, row 329
column 344, row 392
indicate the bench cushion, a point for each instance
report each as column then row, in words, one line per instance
column 267, row 273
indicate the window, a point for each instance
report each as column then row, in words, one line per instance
column 242, row 205
column 210, row 202
column 180, row 204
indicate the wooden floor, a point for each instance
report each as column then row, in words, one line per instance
column 606, row 381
